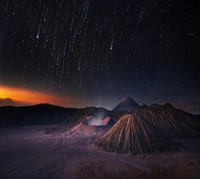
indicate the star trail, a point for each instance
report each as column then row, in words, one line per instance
column 100, row 51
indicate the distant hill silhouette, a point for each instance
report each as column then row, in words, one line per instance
column 41, row 114
column 6, row 102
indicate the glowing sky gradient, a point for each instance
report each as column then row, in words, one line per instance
column 28, row 96
column 96, row 52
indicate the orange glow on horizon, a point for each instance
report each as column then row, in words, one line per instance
column 28, row 96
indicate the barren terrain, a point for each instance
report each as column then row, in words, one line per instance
column 29, row 153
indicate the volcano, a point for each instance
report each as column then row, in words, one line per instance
column 148, row 130
column 127, row 104
column 80, row 116
column 90, row 128
column 96, row 122
column 130, row 128
column 86, row 125
column 168, row 120
column 132, row 135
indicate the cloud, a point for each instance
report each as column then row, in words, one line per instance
column 31, row 97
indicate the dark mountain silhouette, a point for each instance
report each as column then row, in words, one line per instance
column 6, row 102
column 155, row 105
column 71, row 121
column 127, row 104
column 148, row 130
column 144, row 106
column 11, row 102
column 41, row 114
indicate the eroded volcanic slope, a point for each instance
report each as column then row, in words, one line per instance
column 169, row 120
column 148, row 130
column 130, row 134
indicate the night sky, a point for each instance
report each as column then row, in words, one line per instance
column 95, row 52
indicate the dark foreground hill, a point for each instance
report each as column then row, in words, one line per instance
column 148, row 130
column 42, row 114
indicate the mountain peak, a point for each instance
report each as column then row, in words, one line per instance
column 128, row 100
column 126, row 104
column 168, row 105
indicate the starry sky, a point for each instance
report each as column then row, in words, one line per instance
column 81, row 53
